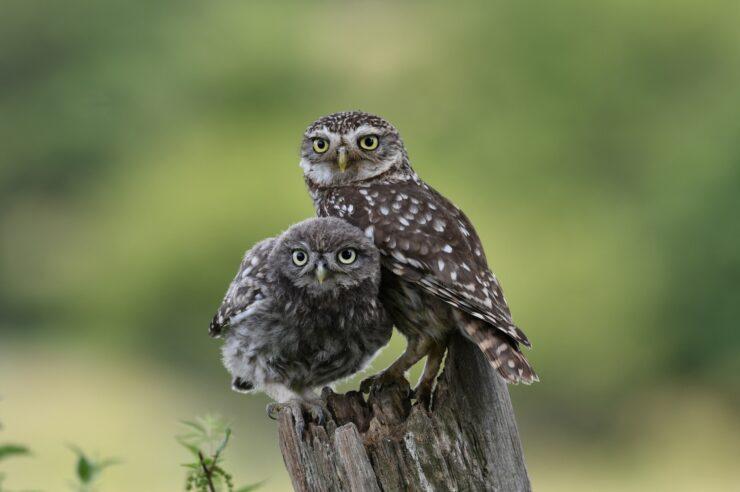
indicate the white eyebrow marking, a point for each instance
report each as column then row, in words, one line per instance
column 364, row 129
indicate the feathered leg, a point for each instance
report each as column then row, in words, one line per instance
column 423, row 390
column 305, row 402
column 416, row 349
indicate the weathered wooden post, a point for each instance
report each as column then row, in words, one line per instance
column 468, row 442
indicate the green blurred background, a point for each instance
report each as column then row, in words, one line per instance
column 596, row 146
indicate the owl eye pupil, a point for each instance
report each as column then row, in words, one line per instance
column 320, row 145
column 347, row 256
column 299, row 257
column 368, row 142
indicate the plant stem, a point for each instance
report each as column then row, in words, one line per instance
column 207, row 471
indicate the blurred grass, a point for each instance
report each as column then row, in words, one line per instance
column 144, row 147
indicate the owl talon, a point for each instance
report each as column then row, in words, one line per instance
column 315, row 409
column 273, row 409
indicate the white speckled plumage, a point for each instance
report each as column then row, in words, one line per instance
column 436, row 275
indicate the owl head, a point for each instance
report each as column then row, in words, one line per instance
column 351, row 147
column 325, row 255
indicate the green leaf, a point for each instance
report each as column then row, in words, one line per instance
column 249, row 488
column 107, row 463
column 194, row 425
column 192, row 466
column 85, row 469
column 222, row 446
column 76, row 450
column 9, row 450
column 191, row 447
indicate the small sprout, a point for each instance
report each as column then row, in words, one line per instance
column 88, row 470
column 207, row 439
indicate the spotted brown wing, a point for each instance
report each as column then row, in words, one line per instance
column 427, row 240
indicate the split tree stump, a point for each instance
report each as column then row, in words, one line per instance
column 468, row 442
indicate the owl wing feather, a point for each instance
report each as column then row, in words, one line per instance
column 248, row 288
column 426, row 240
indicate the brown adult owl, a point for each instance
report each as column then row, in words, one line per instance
column 435, row 274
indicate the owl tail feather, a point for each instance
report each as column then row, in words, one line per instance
column 502, row 352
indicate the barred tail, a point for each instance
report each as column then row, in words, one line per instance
column 502, row 352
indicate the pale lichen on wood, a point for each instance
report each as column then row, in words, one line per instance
column 467, row 442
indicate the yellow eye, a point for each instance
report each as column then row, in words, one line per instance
column 300, row 257
column 320, row 145
column 347, row 256
column 369, row 142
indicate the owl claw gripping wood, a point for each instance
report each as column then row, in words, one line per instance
column 435, row 274
column 316, row 409
column 301, row 313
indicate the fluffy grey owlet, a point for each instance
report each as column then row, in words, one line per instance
column 303, row 312
column 435, row 275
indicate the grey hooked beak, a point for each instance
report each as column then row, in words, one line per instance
column 342, row 158
column 321, row 272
